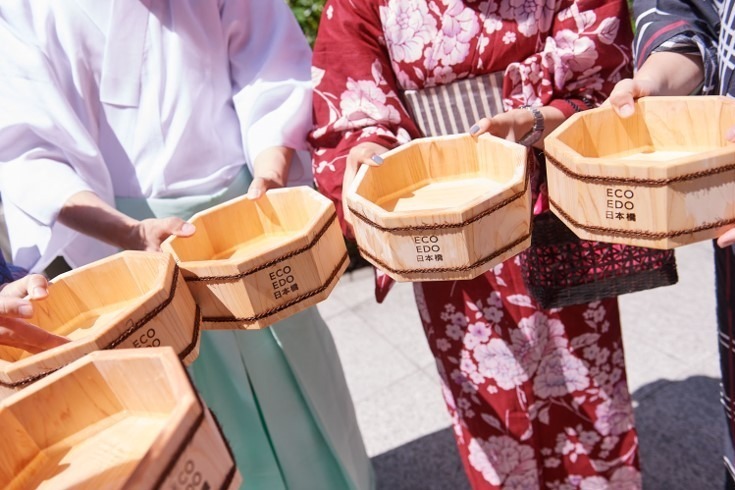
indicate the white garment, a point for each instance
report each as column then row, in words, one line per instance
column 139, row 98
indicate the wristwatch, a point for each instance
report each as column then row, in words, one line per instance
column 538, row 127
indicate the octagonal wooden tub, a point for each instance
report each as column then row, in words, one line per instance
column 123, row 419
column 128, row 300
column 443, row 208
column 662, row 178
column 254, row 262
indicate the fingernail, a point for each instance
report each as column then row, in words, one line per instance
column 377, row 159
column 39, row 292
column 25, row 309
column 188, row 229
column 626, row 110
column 730, row 135
column 474, row 129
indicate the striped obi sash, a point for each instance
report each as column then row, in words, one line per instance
column 455, row 107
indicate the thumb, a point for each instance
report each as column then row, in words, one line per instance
column 623, row 104
column 179, row 227
column 480, row 127
column 186, row 229
column 257, row 189
column 622, row 98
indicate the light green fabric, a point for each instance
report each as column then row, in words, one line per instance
column 279, row 393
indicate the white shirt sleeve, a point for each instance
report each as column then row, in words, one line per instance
column 270, row 64
column 47, row 152
column 39, row 186
column 43, row 149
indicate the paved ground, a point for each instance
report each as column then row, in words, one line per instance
column 671, row 353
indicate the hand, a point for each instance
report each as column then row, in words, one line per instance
column 516, row 123
column 512, row 125
column 364, row 153
column 663, row 73
column 16, row 332
column 150, row 233
column 625, row 93
column 271, row 168
column 88, row 214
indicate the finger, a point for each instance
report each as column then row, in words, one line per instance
column 178, row 227
column 155, row 231
column 37, row 286
column 622, row 98
column 34, row 284
column 15, row 307
column 626, row 92
column 27, row 336
column 727, row 240
column 480, row 127
column 366, row 156
column 257, row 189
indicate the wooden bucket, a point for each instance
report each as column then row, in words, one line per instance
column 128, row 300
column 252, row 263
column 117, row 419
column 660, row 179
column 443, row 208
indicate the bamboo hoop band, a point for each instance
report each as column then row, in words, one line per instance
column 127, row 333
column 270, row 263
column 444, row 226
column 233, row 470
column 478, row 263
column 276, row 309
column 195, row 337
column 181, row 448
column 646, row 235
column 636, row 181
column 230, row 475
column 190, row 436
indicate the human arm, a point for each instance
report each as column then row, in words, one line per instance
column 663, row 73
column 675, row 51
column 271, row 170
column 585, row 52
column 515, row 124
column 676, row 54
column 357, row 112
column 270, row 71
column 14, row 330
column 85, row 212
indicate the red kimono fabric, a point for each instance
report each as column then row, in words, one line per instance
column 538, row 399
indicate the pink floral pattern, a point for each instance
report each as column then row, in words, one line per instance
column 538, row 399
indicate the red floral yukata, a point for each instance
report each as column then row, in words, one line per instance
column 538, row 399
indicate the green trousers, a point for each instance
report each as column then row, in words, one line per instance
column 279, row 394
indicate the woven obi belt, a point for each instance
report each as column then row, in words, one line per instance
column 454, row 108
column 559, row 269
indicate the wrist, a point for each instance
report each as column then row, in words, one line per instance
column 86, row 213
column 536, row 128
column 130, row 236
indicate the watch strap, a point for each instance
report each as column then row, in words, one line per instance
column 538, row 127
